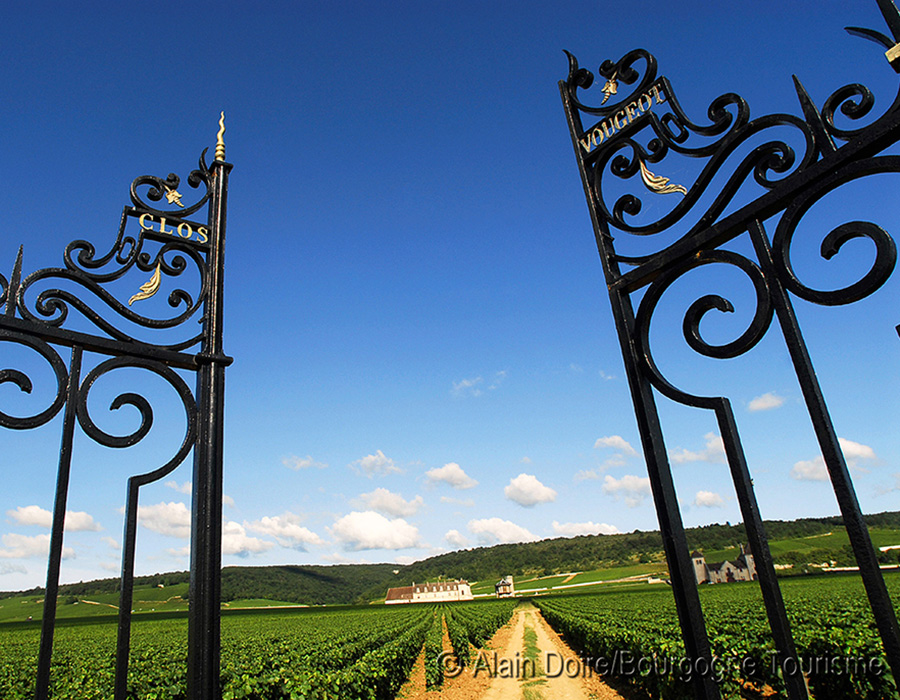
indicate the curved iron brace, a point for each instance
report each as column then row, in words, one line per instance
column 21, row 380
column 721, row 406
column 885, row 248
column 126, row 587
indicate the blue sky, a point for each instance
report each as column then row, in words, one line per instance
column 424, row 354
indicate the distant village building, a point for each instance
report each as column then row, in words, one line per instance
column 504, row 587
column 430, row 592
column 741, row 569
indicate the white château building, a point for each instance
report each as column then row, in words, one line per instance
column 741, row 569
column 430, row 592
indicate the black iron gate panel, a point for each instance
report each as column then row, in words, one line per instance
column 163, row 249
column 628, row 152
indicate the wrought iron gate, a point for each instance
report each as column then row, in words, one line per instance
column 158, row 240
column 631, row 132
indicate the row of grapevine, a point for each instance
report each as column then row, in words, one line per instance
column 636, row 636
column 473, row 624
column 363, row 654
column 434, row 648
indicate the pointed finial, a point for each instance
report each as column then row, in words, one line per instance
column 12, row 290
column 220, row 139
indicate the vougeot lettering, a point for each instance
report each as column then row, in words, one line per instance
column 618, row 121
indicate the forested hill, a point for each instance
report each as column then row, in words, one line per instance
column 353, row 583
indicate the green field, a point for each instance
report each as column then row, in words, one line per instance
column 341, row 652
column 806, row 548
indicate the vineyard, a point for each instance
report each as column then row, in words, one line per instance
column 368, row 652
column 361, row 653
column 635, row 636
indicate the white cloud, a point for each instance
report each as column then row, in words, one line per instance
column 7, row 568
column 112, row 542
column 172, row 519
column 495, row 530
column 815, row 469
column 371, row 530
column 185, row 488
column 79, row 521
column 236, row 541
column 286, row 530
column 179, row 551
column 467, row 387
column 23, row 547
column 589, row 474
column 527, row 491
column 31, row 515
column 498, row 379
column 390, row 503
column 810, row 470
column 616, row 442
column 526, row 460
column 467, row 502
column 576, row 368
column 456, row 538
column 854, row 451
column 111, row 566
column 766, row 402
column 633, row 488
column 453, row 474
column 298, row 463
column 588, row 528
column 708, row 499
column 227, row 500
column 377, row 464
column 76, row 521
column 713, row 451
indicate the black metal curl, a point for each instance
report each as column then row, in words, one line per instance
column 159, row 187
column 21, row 380
column 623, row 70
column 762, row 319
column 144, row 409
column 885, row 248
column 854, row 101
column 4, row 289
column 51, row 306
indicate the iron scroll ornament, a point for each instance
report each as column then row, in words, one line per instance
column 80, row 307
column 622, row 156
column 632, row 146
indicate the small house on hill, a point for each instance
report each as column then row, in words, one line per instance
column 430, row 592
column 741, row 569
column 504, row 587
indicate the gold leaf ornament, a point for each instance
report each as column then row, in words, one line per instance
column 658, row 183
column 148, row 289
column 611, row 88
column 174, row 197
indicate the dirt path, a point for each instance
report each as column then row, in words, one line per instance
column 525, row 660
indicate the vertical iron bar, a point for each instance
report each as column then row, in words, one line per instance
column 48, row 621
column 206, row 510
column 863, row 550
column 126, row 591
column 759, row 547
column 681, row 570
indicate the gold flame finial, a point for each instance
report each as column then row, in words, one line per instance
column 220, row 139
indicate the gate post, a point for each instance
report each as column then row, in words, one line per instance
column 206, row 512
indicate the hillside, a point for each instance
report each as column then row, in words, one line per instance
column 796, row 542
